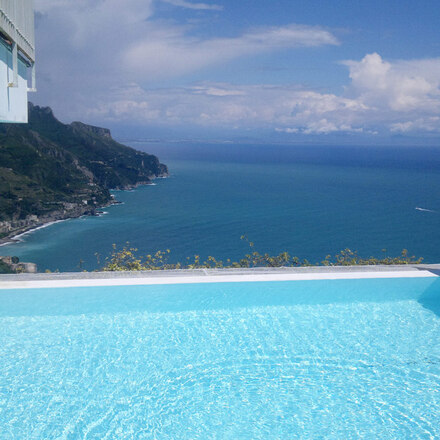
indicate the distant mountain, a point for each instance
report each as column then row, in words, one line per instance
column 51, row 171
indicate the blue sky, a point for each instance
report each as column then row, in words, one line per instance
column 293, row 71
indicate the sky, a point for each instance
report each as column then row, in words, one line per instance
column 348, row 71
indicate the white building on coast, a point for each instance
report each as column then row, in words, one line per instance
column 17, row 58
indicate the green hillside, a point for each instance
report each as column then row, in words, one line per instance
column 50, row 169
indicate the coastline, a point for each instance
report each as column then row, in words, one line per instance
column 14, row 237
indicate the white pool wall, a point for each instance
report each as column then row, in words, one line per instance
column 82, row 279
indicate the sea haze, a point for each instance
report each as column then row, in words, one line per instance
column 311, row 201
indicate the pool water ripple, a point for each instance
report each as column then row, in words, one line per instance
column 336, row 370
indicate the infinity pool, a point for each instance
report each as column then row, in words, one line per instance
column 314, row 359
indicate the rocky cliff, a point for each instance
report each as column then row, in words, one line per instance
column 51, row 171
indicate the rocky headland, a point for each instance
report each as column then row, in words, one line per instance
column 51, row 171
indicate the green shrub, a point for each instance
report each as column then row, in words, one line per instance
column 127, row 258
column 5, row 268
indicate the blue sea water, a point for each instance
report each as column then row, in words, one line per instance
column 339, row 359
column 310, row 200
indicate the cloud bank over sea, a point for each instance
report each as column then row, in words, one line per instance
column 147, row 64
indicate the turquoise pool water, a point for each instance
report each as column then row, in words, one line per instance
column 340, row 359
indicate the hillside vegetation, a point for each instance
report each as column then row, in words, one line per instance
column 50, row 170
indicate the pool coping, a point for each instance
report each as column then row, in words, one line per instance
column 190, row 276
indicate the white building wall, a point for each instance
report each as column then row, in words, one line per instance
column 13, row 100
column 17, row 27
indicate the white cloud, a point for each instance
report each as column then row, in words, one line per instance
column 86, row 47
column 170, row 52
column 382, row 97
column 430, row 124
column 44, row 6
column 402, row 86
column 404, row 96
column 284, row 108
column 197, row 6
column 287, row 130
column 86, row 23
column 104, row 64
column 223, row 90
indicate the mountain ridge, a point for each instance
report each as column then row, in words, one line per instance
column 52, row 171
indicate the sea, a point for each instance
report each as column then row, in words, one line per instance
column 311, row 201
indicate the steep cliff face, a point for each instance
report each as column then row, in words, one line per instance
column 50, row 170
column 91, row 129
column 114, row 165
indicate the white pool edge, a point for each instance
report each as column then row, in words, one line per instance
column 208, row 278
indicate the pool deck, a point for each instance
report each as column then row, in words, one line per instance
column 185, row 276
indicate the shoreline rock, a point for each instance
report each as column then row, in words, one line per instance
column 13, row 265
